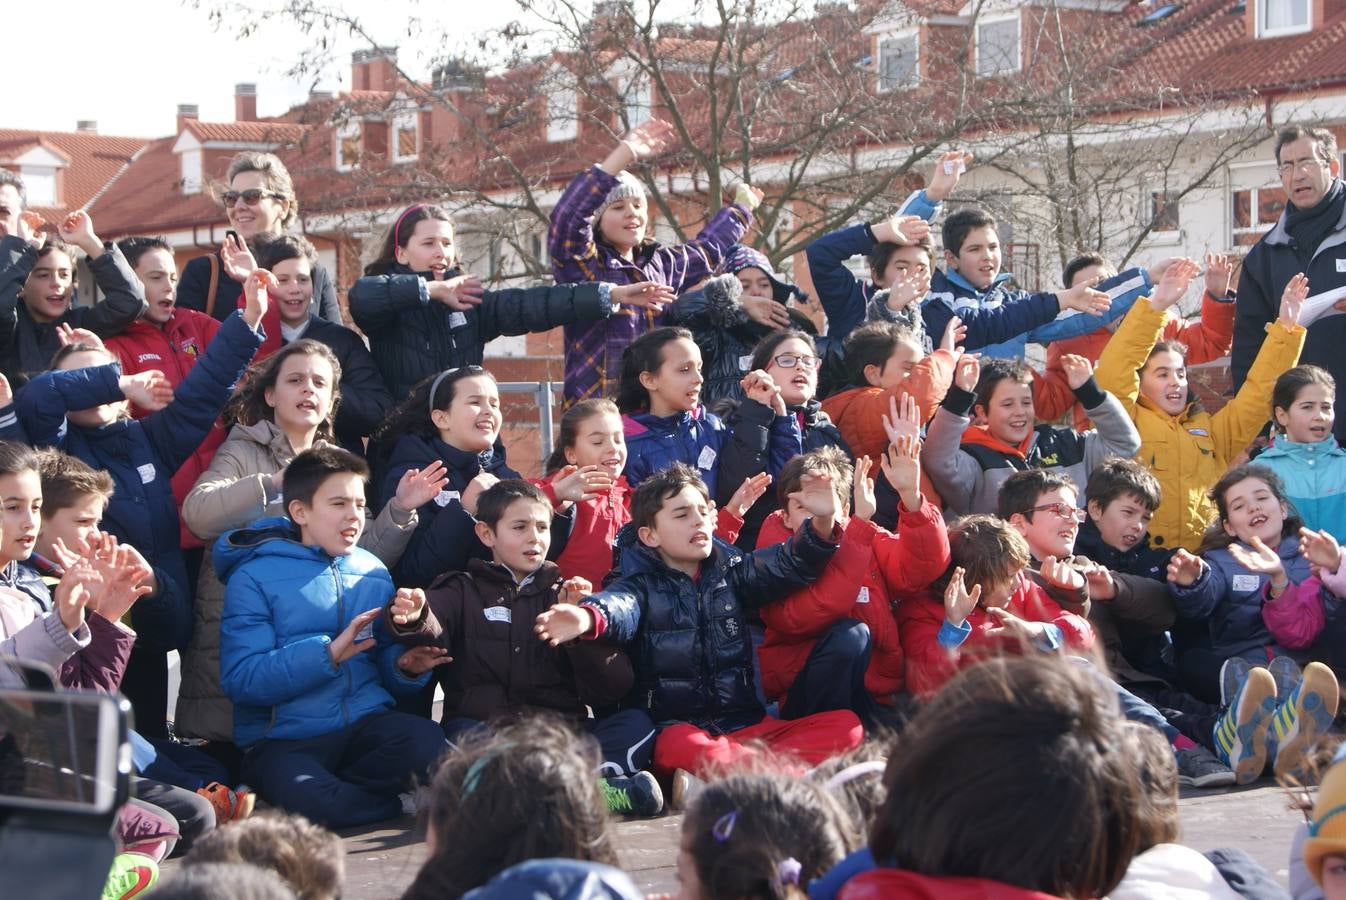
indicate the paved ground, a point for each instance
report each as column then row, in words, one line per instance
column 379, row 864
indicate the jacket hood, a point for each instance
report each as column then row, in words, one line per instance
column 981, row 436
column 495, row 573
column 416, row 449
column 1284, row 448
column 897, row 884
column 271, row 536
column 957, row 280
column 812, row 413
column 632, row 557
column 266, row 433
column 641, row 422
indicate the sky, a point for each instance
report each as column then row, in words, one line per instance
column 128, row 65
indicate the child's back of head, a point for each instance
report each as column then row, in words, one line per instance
column 528, row 792
column 310, row 859
column 223, row 881
column 855, row 779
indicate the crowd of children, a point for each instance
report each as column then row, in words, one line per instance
column 765, row 556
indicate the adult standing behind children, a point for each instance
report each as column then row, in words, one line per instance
column 259, row 202
column 601, row 231
column 1309, row 237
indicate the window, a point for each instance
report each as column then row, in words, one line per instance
column 40, row 184
column 1164, row 212
column 191, row 172
column 998, row 46
column 1277, row 17
column 563, row 122
column 406, row 143
column 898, row 59
column 537, row 246
column 636, row 102
column 1253, row 211
column 348, row 146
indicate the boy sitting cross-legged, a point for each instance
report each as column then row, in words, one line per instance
column 305, row 661
column 680, row 605
column 483, row 619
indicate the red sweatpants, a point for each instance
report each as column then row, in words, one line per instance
column 811, row 740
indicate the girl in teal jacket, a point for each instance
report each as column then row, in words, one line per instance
column 1305, row 454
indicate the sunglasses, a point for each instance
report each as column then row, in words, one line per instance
column 790, row 360
column 252, row 197
column 1062, row 511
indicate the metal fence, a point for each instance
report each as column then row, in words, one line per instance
column 542, row 392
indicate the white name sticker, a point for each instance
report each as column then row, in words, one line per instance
column 863, row 596
column 707, row 459
column 1341, row 265
column 1247, row 582
column 744, row 363
column 457, row 320
column 498, row 614
column 444, row 498
column 147, row 473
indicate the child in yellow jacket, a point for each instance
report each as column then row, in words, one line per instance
column 1187, row 448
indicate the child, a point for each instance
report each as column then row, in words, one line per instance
column 760, row 836
column 483, row 619
column 365, row 400
column 834, row 645
column 1325, row 848
column 305, row 663
column 527, row 792
column 79, row 407
column 968, row 463
column 1207, row 339
column 665, row 422
column 1002, row 611
column 283, row 407
column 585, row 470
column 601, row 230
column 422, row 315
column 1186, row 447
column 36, row 287
column 310, row 859
column 679, row 604
column 1258, row 537
column 1304, row 454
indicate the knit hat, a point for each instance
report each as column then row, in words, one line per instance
column 627, row 186
column 741, row 257
column 1327, row 829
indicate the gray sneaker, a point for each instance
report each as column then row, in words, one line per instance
column 1198, row 767
column 685, row 787
column 1232, row 675
column 638, row 795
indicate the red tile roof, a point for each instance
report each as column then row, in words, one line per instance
column 245, row 132
column 94, row 160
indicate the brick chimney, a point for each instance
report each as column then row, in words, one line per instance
column 187, row 112
column 245, row 103
column 381, row 69
column 87, row 126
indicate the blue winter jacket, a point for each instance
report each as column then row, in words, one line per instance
column 688, row 640
column 759, row 441
column 141, row 455
column 843, row 296
column 1000, row 321
column 1315, row 480
column 1229, row 598
column 284, row 603
column 558, row 879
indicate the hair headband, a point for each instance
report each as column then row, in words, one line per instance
column 859, row 770
column 434, row 388
column 397, row 228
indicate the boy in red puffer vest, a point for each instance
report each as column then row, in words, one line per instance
column 834, row 644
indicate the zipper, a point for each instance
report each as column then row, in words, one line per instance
column 341, row 617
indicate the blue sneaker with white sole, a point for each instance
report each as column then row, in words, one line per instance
column 1301, row 717
column 1241, row 734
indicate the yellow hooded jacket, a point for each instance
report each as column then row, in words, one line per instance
column 1189, row 452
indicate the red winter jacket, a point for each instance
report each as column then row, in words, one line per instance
column 897, row 884
column 929, row 664
column 173, row 350
column 870, row 572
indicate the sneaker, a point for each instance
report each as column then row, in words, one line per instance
column 637, row 795
column 1306, row 713
column 230, row 805
column 1198, row 767
column 132, row 874
column 1233, row 673
column 415, row 800
column 685, row 787
column 1287, row 674
column 1241, row 733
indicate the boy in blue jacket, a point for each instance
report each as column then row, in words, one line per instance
column 305, row 661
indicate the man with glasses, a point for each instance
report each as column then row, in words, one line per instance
column 1309, row 237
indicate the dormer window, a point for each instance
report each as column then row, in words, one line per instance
column 1279, row 17
column 998, row 45
column 899, row 58
column 563, row 110
column 40, row 184
column 189, row 151
column 406, row 137
column 347, row 146
column 636, row 102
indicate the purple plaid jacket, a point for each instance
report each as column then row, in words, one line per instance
column 594, row 349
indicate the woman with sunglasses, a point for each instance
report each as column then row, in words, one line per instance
column 259, row 201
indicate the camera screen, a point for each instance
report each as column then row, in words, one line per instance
column 58, row 751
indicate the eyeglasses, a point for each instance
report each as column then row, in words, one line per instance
column 790, row 360
column 1304, row 165
column 1062, row 511
column 252, row 196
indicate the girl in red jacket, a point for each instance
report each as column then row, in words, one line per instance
column 1003, row 611
column 834, row 645
column 585, row 469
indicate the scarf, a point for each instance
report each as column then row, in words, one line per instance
column 1310, row 227
column 909, row 317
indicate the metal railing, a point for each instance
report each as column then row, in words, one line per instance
column 542, row 394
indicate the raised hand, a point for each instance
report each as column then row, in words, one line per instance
column 765, row 311
column 902, row 420
column 902, row 468
column 149, row 390
column 900, row 229
column 344, row 645
column 760, row 386
column 407, row 606
column 1083, row 298
column 256, row 296
column 1292, row 301
column 819, row 499
column 1078, row 370
column 907, row 290
column 1184, row 568
column 462, row 292
column 1219, row 274
column 475, row 487
column 1171, row 287
column 32, row 229
column 124, row 573
column 6, row 393
column 749, row 196
column 419, row 660
column 863, row 505
column 1101, row 583
column 418, row 487
column 574, row 484
column 649, row 139
column 1060, row 573
column 77, row 229
column 67, row 336
column 74, row 592
column 1260, row 559
column 748, row 493
column 645, row 295
column 967, row 372
column 563, row 622
column 958, row 601
column 236, row 258
column 955, row 332
column 949, row 168
column 1320, row 549
column 1011, row 627
column 573, row 590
